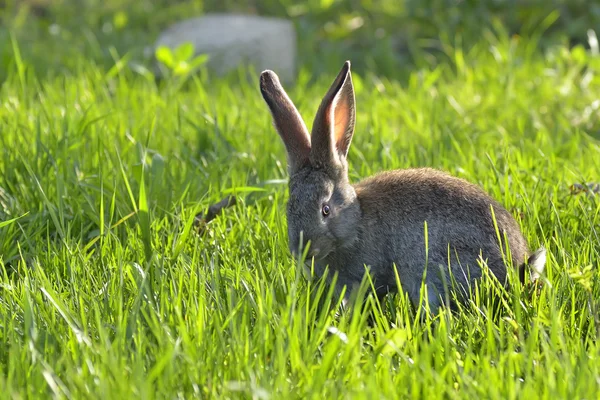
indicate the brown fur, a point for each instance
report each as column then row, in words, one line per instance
column 379, row 222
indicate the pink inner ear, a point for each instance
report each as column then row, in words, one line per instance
column 341, row 114
column 341, row 111
column 333, row 125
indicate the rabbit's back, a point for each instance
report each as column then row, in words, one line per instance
column 395, row 206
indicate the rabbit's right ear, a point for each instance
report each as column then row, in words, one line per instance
column 333, row 126
column 287, row 119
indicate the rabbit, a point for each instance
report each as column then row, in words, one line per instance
column 379, row 222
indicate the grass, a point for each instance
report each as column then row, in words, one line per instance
column 107, row 292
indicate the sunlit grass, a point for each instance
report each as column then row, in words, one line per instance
column 107, row 292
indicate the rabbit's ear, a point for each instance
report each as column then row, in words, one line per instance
column 334, row 123
column 287, row 120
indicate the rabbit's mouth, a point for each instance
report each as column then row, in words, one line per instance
column 318, row 253
column 313, row 253
column 316, row 259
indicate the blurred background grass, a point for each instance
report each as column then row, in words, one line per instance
column 386, row 37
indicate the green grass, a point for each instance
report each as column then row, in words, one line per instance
column 107, row 292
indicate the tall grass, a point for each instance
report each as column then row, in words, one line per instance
column 107, row 292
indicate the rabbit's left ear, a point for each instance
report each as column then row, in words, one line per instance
column 333, row 126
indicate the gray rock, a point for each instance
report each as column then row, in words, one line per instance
column 233, row 39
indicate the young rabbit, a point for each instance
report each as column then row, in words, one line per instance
column 379, row 222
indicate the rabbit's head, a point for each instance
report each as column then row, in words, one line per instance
column 322, row 207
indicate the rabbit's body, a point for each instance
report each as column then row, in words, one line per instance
column 390, row 230
column 381, row 221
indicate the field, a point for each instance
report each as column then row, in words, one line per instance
column 107, row 291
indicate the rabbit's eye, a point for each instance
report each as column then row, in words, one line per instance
column 325, row 210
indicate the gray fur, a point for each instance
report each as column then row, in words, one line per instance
column 380, row 221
